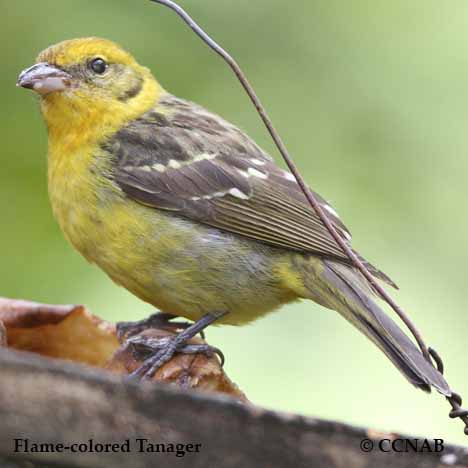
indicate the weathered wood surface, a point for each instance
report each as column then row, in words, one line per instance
column 51, row 401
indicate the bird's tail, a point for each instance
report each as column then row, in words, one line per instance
column 340, row 287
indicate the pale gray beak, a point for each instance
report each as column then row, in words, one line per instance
column 44, row 79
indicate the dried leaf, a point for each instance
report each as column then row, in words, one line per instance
column 71, row 332
column 65, row 332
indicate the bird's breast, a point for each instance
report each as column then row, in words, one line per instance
column 135, row 245
column 173, row 263
column 73, row 192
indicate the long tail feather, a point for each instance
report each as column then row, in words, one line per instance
column 355, row 303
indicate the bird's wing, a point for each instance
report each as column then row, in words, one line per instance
column 180, row 157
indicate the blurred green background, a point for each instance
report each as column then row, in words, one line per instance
column 372, row 101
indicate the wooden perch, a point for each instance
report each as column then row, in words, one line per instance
column 52, row 401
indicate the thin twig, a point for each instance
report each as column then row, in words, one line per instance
column 454, row 399
column 293, row 168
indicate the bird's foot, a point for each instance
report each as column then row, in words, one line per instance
column 159, row 320
column 161, row 350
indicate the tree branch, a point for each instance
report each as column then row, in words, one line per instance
column 51, row 401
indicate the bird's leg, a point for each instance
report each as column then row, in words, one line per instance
column 156, row 320
column 163, row 349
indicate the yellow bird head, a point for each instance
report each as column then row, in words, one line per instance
column 92, row 80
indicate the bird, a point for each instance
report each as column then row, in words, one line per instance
column 187, row 212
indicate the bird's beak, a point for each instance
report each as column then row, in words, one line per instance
column 44, row 79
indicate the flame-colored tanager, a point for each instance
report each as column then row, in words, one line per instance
column 185, row 211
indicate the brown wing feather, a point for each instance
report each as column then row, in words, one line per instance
column 179, row 157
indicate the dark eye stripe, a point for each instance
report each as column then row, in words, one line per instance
column 133, row 91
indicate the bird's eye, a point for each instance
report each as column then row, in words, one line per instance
column 98, row 65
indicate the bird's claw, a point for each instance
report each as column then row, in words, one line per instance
column 161, row 350
column 205, row 349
